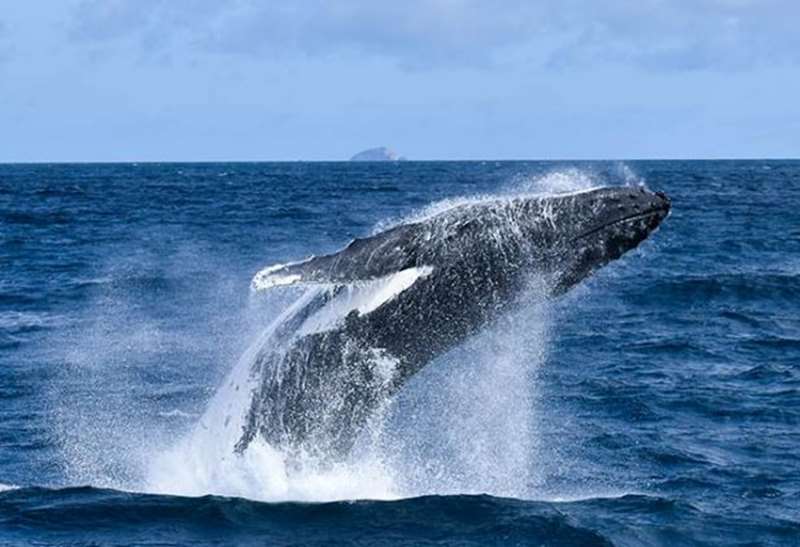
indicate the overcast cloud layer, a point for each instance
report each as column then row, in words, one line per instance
column 240, row 79
column 668, row 34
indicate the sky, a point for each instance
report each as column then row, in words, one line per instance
column 209, row 80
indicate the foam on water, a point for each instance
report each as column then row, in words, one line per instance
column 202, row 465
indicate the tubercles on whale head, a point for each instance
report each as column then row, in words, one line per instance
column 600, row 226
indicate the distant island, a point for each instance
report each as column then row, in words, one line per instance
column 377, row 154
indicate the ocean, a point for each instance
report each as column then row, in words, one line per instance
column 658, row 403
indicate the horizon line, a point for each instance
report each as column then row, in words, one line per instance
column 405, row 160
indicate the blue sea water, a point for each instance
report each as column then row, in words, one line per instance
column 657, row 404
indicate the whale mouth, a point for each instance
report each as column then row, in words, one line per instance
column 653, row 217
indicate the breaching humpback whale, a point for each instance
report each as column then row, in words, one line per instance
column 387, row 304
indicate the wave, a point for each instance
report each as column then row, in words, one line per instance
column 111, row 516
column 101, row 515
column 739, row 287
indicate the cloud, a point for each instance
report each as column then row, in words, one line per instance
column 683, row 34
column 415, row 32
column 654, row 34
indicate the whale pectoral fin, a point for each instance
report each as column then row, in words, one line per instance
column 278, row 275
column 321, row 270
column 363, row 259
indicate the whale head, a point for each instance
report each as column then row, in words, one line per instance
column 572, row 235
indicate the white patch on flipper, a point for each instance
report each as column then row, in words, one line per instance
column 390, row 286
column 363, row 297
column 268, row 278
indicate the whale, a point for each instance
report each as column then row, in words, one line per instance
column 379, row 310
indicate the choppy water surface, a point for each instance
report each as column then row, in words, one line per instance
column 657, row 404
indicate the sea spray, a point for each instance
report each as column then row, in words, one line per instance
column 480, row 433
column 468, row 422
column 554, row 182
column 465, row 425
column 116, row 397
column 206, row 461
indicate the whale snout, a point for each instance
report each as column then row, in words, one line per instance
column 658, row 206
column 628, row 217
column 631, row 202
column 623, row 213
column 660, row 203
column 610, row 222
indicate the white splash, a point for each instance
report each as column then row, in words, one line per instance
column 200, row 466
column 177, row 413
column 560, row 182
column 469, row 422
column 205, row 461
column 565, row 182
column 202, row 461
